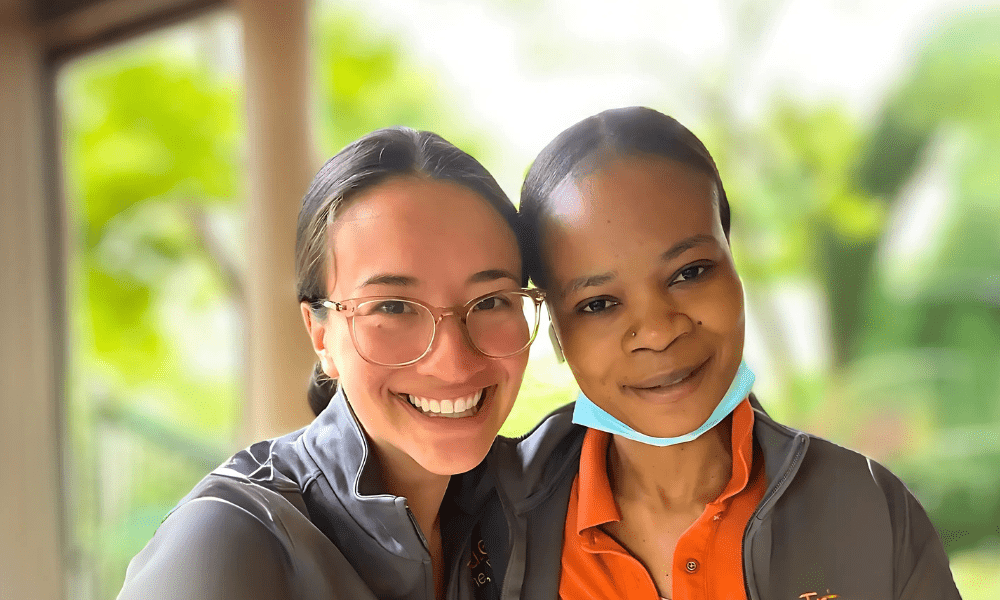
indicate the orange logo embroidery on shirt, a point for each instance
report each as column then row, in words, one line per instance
column 816, row 596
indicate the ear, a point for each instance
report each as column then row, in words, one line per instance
column 316, row 328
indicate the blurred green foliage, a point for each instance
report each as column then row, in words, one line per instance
column 153, row 169
column 933, row 323
column 367, row 81
column 151, row 153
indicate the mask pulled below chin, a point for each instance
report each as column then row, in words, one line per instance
column 588, row 414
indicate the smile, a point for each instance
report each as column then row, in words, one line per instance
column 675, row 383
column 454, row 408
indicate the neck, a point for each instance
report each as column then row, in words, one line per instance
column 692, row 473
column 423, row 490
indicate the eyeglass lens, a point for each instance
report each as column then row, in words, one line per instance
column 395, row 332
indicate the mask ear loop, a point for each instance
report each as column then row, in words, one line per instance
column 555, row 344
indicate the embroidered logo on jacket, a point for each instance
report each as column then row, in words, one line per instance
column 480, row 564
column 485, row 585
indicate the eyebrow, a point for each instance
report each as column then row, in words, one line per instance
column 579, row 283
column 493, row 275
column 408, row 281
column 686, row 244
column 586, row 281
column 389, row 279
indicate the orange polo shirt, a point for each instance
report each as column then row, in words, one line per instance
column 708, row 558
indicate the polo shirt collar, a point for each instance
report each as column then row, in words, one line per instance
column 597, row 505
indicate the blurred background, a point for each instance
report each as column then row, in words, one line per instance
column 159, row 149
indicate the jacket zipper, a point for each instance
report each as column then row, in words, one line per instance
column 755, row 520
column 416, row 527
column 429, row 571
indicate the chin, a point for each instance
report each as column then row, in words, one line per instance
column 665, row 425
column 655, row 427
column 448, row 462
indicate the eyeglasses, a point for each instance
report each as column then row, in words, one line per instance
column 395, row 332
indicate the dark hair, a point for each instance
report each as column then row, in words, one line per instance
column 617, row 132
column 363, row 164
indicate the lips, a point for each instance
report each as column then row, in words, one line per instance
column 669, row 385
column 455, row 408
column 667, row 379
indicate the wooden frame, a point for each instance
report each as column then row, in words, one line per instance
column 33, row 44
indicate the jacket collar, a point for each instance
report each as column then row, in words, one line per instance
column 531, row 468
column 347, row 473
column 329, row 473
column 346, row 482
column 783, row 449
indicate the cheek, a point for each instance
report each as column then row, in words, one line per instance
column 512, row 367
column 721, row 311
column 360, row 379
column 588, row 348
column 339, row 343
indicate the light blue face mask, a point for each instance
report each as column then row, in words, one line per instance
column 590, row 415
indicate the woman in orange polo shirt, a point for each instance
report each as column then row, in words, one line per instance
column 671, row 481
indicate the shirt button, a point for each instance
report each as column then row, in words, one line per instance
column 717, row 517
column 691, row 566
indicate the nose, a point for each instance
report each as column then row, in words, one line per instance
column 656, row 324
column 451, row 357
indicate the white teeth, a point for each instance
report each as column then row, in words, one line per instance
column 455, row 407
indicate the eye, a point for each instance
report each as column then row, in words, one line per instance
column 392, row 307
column 596, row 305
column 689, row 273
column 493, row 302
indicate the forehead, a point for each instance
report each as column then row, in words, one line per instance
column 625, row 206
column 421, row 228
column 630, row 186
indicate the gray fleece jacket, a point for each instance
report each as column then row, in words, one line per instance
column 832, row 522
column 302, row 517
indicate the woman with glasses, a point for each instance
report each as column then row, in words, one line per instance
column 411, row 288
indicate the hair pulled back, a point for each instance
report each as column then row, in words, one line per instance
column 364, row 163
column 586, row 145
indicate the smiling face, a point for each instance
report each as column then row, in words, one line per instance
column 442, row 244
column 643, row 291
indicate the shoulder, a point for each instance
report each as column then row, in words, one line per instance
column 213, row 547
column 791, row 453
column 530, row 467
column 858, row 508
column 242, row 532
column 805, row 471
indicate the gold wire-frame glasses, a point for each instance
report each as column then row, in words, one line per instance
column 394, row 331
